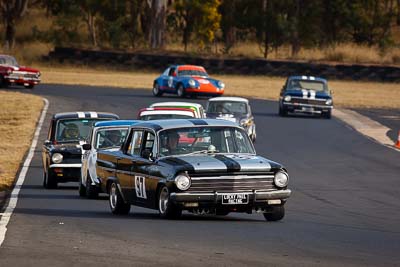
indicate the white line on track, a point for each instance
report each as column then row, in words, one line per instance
column 366, row 126
column 6, row 215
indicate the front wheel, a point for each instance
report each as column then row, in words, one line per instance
column 117, row 204
column 3, row 82
column 49, row 181
column 166, row 208
column 81, row 189
column 156, row 90
column 91, row 190
column 327, row 114
column 180, row 91
column 282, row 112
column 277, row 214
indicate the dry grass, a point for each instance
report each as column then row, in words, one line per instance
column 346, row 93
column 18, row 116
column 347, row 53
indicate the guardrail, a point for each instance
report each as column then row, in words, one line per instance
column 228, row 66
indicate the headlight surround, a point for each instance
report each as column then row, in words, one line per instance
column 221, row 85
column 183, row 182
column 9, row 71
column 281, row 179
column 57, row 158
column 244, row 122
column 287, row 98
column 192, row 83
column 328, row 102
column 38, row 74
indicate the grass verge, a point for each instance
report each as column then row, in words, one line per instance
column 350, row 94
column 19, row 114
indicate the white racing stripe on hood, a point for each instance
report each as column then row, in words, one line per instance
column 201, row 163
column 93, row 114
column 305, row 93
column 312, row 94
column 251, row 163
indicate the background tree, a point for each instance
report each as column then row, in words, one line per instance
column 200, row 17
column 12, row 11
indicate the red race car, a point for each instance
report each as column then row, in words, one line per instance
column 12, row 73
column 187, row 80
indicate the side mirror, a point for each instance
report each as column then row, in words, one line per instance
column 86, row 146
column 47, row 142
column 147, row 154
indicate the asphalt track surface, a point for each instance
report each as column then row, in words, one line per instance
column 344, row 211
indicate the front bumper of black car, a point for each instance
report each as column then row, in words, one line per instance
column 306, row 108
column 66, row 172
column 255, row 199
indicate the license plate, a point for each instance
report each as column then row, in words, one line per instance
column 307, row 109
column 235, row 198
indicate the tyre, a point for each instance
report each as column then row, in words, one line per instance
column 327, row 115
column 166, row 208
column 156, row 90
column 117, row 204
column 180, row 91
column 81, row 188
column 91, row 190
column 49, row 181
column 282, row 112
column 3, row 83
column 29, row 86
column 277, row 214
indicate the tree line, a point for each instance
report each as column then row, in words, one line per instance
column 152, row 24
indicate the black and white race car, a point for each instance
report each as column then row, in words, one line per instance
column 62, row 151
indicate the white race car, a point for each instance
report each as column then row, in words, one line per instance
column 104, row 135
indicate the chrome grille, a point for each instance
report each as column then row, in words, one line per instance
column 30, row 75
column 232, row 183
column 308, row 101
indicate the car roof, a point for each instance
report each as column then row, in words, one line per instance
column 184, row 66
column 166, row 110
column 226, row 98
column 116, row 123
column 176, row 104
column 310, row 78
column 85, row 114
column 158, row 125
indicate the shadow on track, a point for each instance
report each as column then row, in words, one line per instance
column 132, row 216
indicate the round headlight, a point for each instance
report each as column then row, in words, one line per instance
column 57, row 158
column 287, row 98
column 221, row 85
column 328, row 102
column 183, row 182
column 9, row 71
column 192, row 83
column 281, row 179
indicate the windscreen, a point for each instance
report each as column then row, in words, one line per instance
column 192, row 72
column 227, row 107
column 205, row 140
column 110, row 137
column 74, row 130
column 297, row 84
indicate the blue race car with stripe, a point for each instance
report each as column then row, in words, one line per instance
column 204, row 166
column 306, row 94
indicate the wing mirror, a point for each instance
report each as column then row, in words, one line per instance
column 147, row 154
column 47, row 142
column 86, row 146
